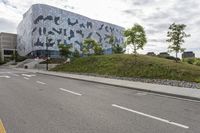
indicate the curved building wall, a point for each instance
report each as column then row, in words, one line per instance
column 61, row 27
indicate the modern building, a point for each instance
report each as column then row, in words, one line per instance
column 44, row 23
column 151, row 54
column 188, row 54
column 8, row 43
column 163, row 54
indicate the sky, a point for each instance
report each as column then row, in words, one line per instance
column 154, row 15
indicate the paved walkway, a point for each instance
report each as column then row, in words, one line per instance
column 188, row 93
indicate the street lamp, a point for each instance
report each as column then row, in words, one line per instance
column 47, row 52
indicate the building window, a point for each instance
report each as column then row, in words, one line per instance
column 8, row 52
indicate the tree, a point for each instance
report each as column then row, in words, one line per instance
column 136, row 36
column 116, row 48
column 65, row 50
column 176, row 37
column 98, row 50
column 76, row 53
column 90, row 45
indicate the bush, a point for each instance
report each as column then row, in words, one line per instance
column 117, row 49
column 193, row 61
column 76, row 54
column 170, row 58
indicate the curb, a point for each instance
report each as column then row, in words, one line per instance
column 133, row 88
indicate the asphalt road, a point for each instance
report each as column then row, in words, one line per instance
column 34, row 103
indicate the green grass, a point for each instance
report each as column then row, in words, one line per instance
column 124, row 66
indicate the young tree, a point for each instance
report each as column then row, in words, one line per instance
column 116, row 48
column 65, row 50
column 136, row 36
column 76, row 54
column 112, row 40
column 90, row 44
column 176, row 35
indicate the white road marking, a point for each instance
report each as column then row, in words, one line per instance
column 5, row 72
column 26, row 78
column 27, row 75
column 150, row 116
column 177, row 98
column 141, row 94
column 14, row 74
column 70, row 92
column 39, row 82
column 10, row 73
column 5, row 77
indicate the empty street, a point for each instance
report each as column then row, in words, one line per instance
column 36, row 103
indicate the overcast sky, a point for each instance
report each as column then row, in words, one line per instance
column 154, row 15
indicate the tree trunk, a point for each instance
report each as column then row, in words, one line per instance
column 176, row 56
column 135, row 52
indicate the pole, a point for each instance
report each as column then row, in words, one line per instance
column 47, row 53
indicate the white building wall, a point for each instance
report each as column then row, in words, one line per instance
column 61, row 27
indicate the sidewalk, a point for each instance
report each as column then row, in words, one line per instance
column 189, row 93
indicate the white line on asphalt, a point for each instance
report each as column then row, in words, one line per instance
column 10, row 73
column 27, row 75
column 150, row 116
column 176, row 98
column 5, row 72
column 70, row 92
column 39, row 82
column 141, row 94
column 13, row 74
column 26, row 78
column 5, row 77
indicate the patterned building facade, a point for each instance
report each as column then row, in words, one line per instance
column 44, row 23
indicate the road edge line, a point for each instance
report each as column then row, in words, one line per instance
column 175, row 96
column 2, row 128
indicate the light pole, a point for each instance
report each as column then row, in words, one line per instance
column 47, row 52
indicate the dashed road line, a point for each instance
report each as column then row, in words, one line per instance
column 2, row 129
column 75, row 93
column 13, row 74
column 10, row 73
column 151, row 116
column 26, row 78
column 39, row 82
column 27, row 75
column 5, row 76
column 141, row 94
column 5, row 72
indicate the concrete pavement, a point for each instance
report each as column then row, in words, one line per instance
column 188, row 93
column 37, row 103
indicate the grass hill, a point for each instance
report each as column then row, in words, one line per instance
column 122, row 65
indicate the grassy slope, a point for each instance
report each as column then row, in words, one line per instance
column 123, row 65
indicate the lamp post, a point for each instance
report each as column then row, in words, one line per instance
column 47, row 53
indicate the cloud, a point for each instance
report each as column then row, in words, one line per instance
column 154, row 15
column 158, row 15
column 143, row 2
column 157, row 40
column 6, row 25
column 7, row 3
